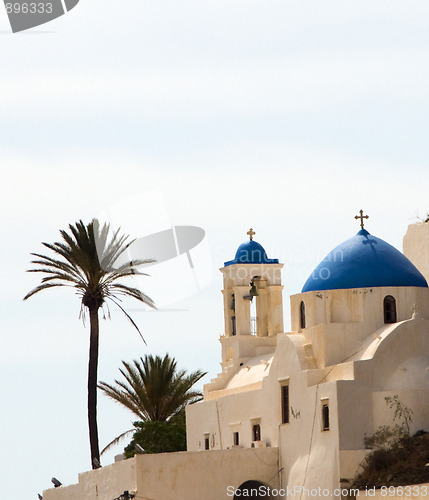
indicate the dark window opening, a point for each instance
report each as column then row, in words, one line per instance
column 236, row 438
column 256, row 431
column 233, row 325
column 285, row 404
column 389, row 306
column 254, row 490
column 325, row 417
column 206, row 442
column 302, row 315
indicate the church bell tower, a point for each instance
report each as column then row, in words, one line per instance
column 253, row 305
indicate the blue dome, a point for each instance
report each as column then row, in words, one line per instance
column 364, row 261
column 251, row 252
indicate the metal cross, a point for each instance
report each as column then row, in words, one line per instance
column 361, row 217
column 251, row 233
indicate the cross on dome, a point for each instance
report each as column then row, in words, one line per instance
column 361, row 217
column 251, row 233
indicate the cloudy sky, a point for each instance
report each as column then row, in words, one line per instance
column 285, row 115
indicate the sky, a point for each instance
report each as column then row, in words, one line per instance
column 288, row 116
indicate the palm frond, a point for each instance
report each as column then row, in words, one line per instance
column 117, row 440
column 128, row 269
column 128, row 316
column 49, row 262
column 153, row 389
column 129, row 291
column 42, row 287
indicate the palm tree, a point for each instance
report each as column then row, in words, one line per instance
column 87, row 256
column 153, row 389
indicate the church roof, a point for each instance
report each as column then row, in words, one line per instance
column 364, row 261
column 253, row 371
column 251, row 252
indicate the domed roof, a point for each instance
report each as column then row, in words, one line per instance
column 364, row 261
column 251, row 252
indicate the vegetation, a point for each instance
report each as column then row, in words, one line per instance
column 156, row 392
column 397, row 457
column 159, row 437
column 85, row 261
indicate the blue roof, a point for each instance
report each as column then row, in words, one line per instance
column 251, row 252
column 364, row 261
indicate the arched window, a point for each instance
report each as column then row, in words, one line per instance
column 389, row 307
column 302, row 315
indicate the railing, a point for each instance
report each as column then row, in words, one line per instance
column 254, row 325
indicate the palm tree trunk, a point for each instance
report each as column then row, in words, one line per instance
column 92, row 387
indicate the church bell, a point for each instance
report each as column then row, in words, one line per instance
column 253, row 291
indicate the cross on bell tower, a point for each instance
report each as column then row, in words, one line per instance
column 361, row 217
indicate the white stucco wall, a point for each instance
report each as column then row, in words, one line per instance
column 101, row 484
column 175, row 476
column 416, row 244
column 338, row 321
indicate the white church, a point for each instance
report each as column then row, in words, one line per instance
column 287, row 415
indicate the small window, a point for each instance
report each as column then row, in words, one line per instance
column 206, row 441
column 233, row 325
column 256, row 432
column 389, row 306
column 285, row 403
column 236, row 438
column 302, row 315
column 325, row 415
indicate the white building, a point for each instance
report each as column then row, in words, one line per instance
column 359, row 334
column 292, row 408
